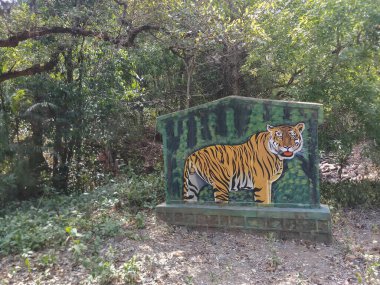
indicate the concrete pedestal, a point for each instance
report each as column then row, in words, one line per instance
column 284, row 223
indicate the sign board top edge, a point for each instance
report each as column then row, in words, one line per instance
column 295, row 104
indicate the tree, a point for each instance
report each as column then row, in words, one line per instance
column 46, row 36
column 322, row 51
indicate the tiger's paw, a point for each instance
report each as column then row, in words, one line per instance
column 190, row 198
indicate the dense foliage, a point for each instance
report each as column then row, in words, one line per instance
column 81, row 80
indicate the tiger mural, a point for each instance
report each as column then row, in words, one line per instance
column 254, row 165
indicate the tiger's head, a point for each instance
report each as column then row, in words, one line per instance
column 285, row 141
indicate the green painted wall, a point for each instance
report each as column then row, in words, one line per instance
column 232, row 120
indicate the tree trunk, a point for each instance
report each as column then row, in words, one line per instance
column 231, row 64
column 5, row 112
column 235, row 70
column 63, row 146
column 190, row 66
column 37, row 162
column 78, row 135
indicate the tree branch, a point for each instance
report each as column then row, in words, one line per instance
column 14, row 40
column 134, row 32
column 294, row 75
column 175, row 51
column 35, row 69
column 290, row 81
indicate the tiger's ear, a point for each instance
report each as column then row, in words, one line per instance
column 300, row 127
column 269, row 128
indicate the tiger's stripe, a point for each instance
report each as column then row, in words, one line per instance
column 255, row 164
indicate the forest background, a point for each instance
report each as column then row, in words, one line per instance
column 82, row 81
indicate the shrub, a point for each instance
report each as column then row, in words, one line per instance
column 143, row 191
column 351, row 194
column 51, row 220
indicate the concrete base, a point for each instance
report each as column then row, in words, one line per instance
column 284, row 223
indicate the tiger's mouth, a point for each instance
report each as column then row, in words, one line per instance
column 287, row 154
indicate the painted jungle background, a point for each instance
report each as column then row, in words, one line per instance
column 81, row 85
column 232, row 121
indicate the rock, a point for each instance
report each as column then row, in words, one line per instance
column 345, row 175
column 350, row 257
column 362, row 168
column 359, row 226
column 327, row 167
column 373, row 176
column 333, row 167
column 376, row 249
column 324, row 168
column 316, row 280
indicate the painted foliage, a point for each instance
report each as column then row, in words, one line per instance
column 253, row 165
column 231, row 121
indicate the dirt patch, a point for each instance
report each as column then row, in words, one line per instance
column 179, row 255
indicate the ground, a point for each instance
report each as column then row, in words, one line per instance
column 165, row 254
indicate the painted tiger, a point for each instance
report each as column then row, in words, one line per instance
column 254, row 165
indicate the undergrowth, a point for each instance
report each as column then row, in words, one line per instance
column 346, row 194
column 82, row 223
column 42, row 223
